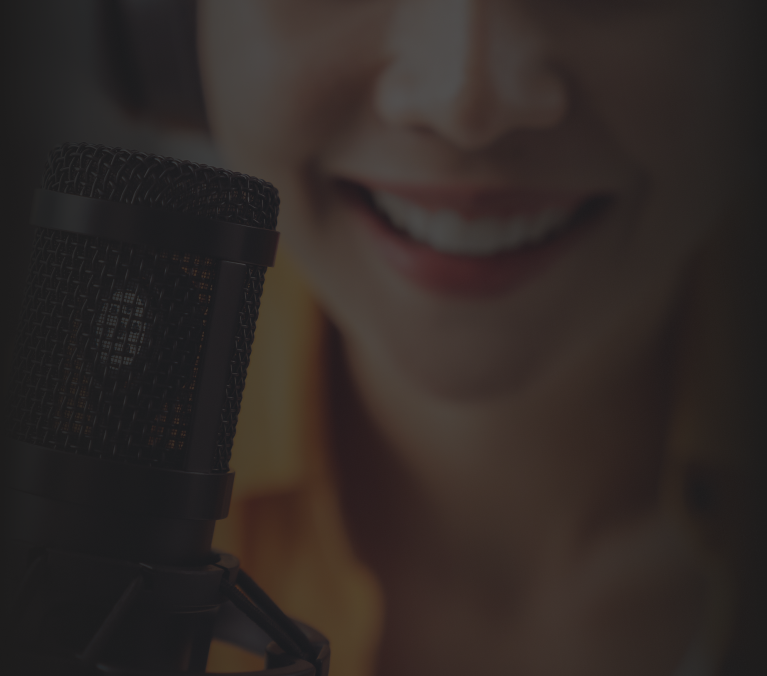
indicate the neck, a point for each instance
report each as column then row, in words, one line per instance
column 566, row 455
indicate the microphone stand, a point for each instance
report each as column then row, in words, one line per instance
column 138, row 619
column 140, row 310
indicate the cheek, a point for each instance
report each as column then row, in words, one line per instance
column 279, row 82
column 253, row 100
column 671, row 98
column 281, row 92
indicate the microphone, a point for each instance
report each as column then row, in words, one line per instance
column 135, row 336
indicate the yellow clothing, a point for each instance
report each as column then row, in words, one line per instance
column 285, row 523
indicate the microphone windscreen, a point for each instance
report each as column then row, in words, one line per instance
column 113, row 333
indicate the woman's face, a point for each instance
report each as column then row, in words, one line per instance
column 481, row 191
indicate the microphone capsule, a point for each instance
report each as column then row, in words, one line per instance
column 120, row 318
column 137, row 323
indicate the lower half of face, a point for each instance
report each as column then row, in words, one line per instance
column 594, row 291
column 546, row 224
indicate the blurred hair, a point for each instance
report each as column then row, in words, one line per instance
column 150, row 57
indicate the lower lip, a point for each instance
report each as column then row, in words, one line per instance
column 472, row 276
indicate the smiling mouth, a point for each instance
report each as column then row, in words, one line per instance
column 478, row 224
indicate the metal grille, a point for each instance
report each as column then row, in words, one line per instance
column 112, row 334
column 239, row 367
column 110, row 346
column 139, row 178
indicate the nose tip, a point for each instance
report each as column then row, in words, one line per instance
column 476, row 115
column 470, row 80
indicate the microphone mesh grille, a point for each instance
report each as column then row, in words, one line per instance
column 132, row 177
column 112, row 334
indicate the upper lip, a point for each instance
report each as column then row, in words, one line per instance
column 473, row 201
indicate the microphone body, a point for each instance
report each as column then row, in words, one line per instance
column 137, row 323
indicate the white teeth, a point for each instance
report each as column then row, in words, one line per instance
column 449, row 232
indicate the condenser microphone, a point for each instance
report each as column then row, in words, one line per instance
column 135, row 336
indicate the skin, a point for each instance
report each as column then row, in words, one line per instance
column 522, row 430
